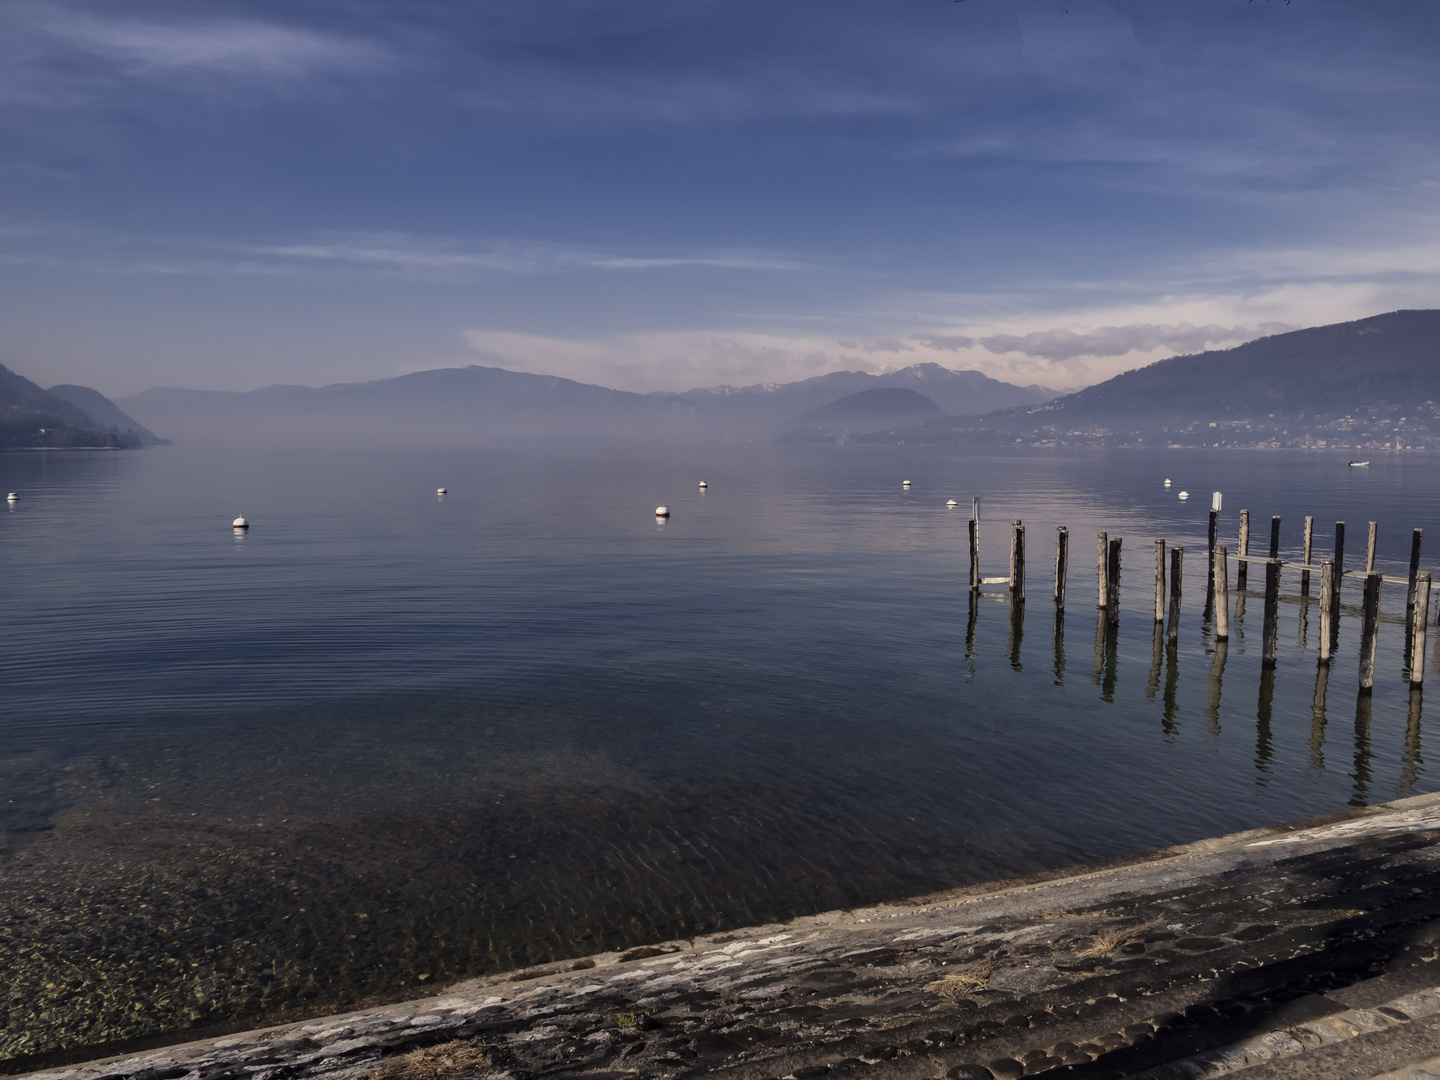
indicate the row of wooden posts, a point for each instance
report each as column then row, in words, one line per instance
column 1217, row 598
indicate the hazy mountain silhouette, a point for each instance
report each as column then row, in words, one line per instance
column 32, row 417
column 765, row 408
column 105, row 413
column 869, row 410
column 485, row 404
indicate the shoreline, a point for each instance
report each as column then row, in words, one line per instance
column 1020, row 934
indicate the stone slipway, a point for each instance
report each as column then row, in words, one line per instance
column 1306, row 950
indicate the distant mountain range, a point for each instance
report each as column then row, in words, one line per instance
column 1369, row 384
column 886, row 407
column 458, row 406
column 63, row 416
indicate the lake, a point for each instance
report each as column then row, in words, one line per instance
column 386, row 739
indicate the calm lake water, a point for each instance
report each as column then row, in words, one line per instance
column 385, row 739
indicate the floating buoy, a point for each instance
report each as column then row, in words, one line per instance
column 240, row 523
column 439, row 491
column 952, row 502
column 1184, row 494
column 662, row 511
column 1167, row 481
column 905, row 483
column 12, row 497
column 703, row 484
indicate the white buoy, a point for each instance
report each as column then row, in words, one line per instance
column 12, row 497
column 1184, row 494
column 240, row 523
column 439, row 491
column 662, row 511
column 703, row 484
column 1167, row 481
column 952, row 502
column 905, row 483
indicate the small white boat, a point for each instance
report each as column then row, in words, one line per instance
column 1184, row 494
column 440, row 491
column 1167, row 481
column 905, row 483
column 703, row 484
column 12, row 497
column 662, row 511
column 1359, row 464
column 240, row 523
column 951, row 502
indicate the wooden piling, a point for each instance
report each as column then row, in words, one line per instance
column 1242, row 574
column 1112, row 568
column 974, row 555
column 1327, row 602
column 1339, row 571
column 1159, row 581
column 1370, row 551
column 1222, row 594
column 1102, row 578
column 1309, row 547
column 1062, row 565
column 1177, row 568
column 1272, row 604
column 1210, row 572
column 1415, row 538
column 1017, row 560
column 1368, row 624
column 1419, row 624
column 1275, row 537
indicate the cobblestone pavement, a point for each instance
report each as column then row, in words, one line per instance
column 1299, row 951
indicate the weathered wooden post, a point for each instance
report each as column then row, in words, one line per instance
column 974, row 554
column 1370, row 551
column 1419, row 623
column 1339, row 573
column 1242, row 574
column 1272, row 605
column 1214, row 535
column 1415, row 538
column 1309, row 538
column 1017, row 560
column 1275, row 537
column 1102, row 578
column 1112, row 567
column 1062, row 565
column 1327, row 601
column 1177, row 568
column 1222, row 594
column 1159, row 581
column 1419, row 620
column 1368, row 625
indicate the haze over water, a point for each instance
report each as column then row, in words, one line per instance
column 386, row 739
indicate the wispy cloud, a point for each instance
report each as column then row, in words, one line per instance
column 228, row 45
column 404, row 254
column 1107, row 341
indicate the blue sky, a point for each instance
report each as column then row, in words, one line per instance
column 664, row 195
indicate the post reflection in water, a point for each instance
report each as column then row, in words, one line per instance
column 1237, row 624
column 1217, row 674
column 1112, row 660
column 1172, row 684
column 1411, row 761
column 1264, row 744
column 1099, row 671
column 1060, row 647
column 1303, row 636
column 1016, row 632
column 1156, row 652
column 970, row 636
column 1360, row 775
column 1317, row 718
